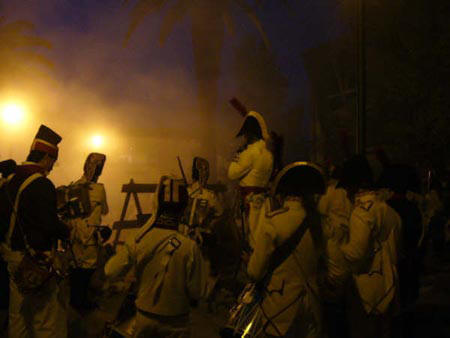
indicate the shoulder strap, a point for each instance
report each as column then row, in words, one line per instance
column 13, row 219
column 282, row 252
column 161, row 245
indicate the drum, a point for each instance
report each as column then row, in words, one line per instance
column 246, row 318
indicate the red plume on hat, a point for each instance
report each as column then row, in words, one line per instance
column 46, row 140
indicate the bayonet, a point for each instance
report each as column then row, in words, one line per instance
column 180, row 165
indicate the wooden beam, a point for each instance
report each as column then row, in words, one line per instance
column 139, row 188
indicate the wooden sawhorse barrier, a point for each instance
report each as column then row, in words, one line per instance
column 133, row 189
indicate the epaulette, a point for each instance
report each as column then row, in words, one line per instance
column 271, row 211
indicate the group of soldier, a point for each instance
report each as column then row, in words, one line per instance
column 321, row 254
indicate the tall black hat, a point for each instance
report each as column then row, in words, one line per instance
column 400, row 178
column 46, row 140
column 356, row 173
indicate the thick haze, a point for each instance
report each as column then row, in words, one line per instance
column 142, row 98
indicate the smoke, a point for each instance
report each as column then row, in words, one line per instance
column 140, row 99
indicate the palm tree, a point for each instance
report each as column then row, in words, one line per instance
column 209, row 21
column 18, row 47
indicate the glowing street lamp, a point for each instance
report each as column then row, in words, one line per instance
column 97, row 141
column 13, row 114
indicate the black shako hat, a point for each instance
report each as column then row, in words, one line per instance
column 46, row 140
column 356, row 173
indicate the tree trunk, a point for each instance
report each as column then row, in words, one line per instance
column 207, row 40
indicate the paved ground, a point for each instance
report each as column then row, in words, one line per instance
column 431, row 313
column 206, row 322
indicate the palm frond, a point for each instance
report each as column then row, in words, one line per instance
column 254, row 19
column 18, row 34
column 174, row 15
column 33, row 57
column 142, row 9
column 23, row 41
column 16, row 27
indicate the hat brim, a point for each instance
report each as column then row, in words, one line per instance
column 306, row 176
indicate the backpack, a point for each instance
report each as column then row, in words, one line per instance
column 73, row 201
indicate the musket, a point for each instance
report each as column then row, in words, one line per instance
column 182, row 171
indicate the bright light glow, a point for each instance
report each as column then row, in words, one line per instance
column 13, row 114
column 97, row 141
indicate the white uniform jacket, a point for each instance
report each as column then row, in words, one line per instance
column 207, row 202
column 335, row 209
column 252, row 167
column 372, row 251
column 170, row 271
column 292, row 291
column 85, row 243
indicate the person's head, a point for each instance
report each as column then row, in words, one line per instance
column 200, row 171
column 44, row 150
column 302, row 181
column 42, row 159
column 299, row 179
column 356, row 174
column 399, row 178
column 172, row 197
column 93, row 166
column 254, row 128
column 7, row 168
column 170, row 201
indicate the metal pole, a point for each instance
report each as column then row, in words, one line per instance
column 360, row 116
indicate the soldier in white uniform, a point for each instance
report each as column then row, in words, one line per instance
column 371, row 254
column 204, row 205
column 252, row 167
column 290, row 305
column 335, row 208
column 169, row 267
column 202, row 213
column 86, row 238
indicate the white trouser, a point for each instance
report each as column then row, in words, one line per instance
column 39, row 315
